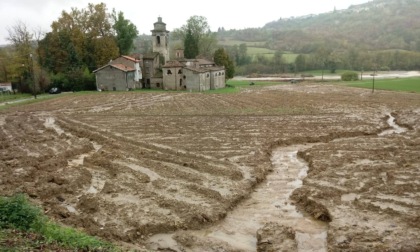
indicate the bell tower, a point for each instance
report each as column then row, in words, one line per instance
column 160, row 38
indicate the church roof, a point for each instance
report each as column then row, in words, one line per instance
column 173, row 63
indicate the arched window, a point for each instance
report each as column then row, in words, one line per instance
column 169, row 71
column 158, row 40
column 180, row 71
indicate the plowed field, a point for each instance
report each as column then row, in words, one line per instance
column 127, row 165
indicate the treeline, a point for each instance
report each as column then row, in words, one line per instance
column 323, row 58
column 81, row 41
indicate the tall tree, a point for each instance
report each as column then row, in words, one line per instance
column 22, row 40
column 243, row 57
column 279, row 62
column 125, row 31
column 197, row 31
column 221, row 58
column 300, row 63
column 190, row 45
column 81, row 40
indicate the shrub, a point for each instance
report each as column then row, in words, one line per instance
column 349, row 76
column 15, row 212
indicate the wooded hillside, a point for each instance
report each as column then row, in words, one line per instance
column 378, row 35
column 376, row 25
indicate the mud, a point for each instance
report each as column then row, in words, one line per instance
column 127, row 166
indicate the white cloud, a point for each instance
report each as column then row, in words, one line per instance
column 219, row 13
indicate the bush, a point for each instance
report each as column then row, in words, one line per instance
column 349, row 76
column 15, row 212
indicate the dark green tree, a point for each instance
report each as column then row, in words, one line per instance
column 196, row 34
column 278, row 61
column 125, row 31
column 300, row 63
column 243, row 57
column 190, row 45
column 221, row 58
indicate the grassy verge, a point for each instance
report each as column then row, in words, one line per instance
column 23, row 227
column 399, row 84
column 13, row 97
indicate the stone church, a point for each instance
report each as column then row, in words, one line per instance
column 156, row 70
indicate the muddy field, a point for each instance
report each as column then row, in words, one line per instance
column 170, row 171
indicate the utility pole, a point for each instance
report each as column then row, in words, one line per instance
column 373, row 81
column 33, row 75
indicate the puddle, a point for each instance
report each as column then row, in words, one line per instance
column 396, row 129
column 50, row 123
column 268, row 203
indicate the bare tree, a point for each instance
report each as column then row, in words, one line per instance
column 22, row 40
column 20, row 37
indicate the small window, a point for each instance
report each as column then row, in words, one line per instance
column 223, row 73
column 180, row 71
column 158, row 40
column 184, row 77
column 158, row 84
column 208, row 75
column 169, row 71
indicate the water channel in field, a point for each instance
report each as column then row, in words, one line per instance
column 268, row 203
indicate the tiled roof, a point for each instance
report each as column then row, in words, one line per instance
column 122, row 67
column 130, row 58
column 205, row 69
column 205, row 62
column 117, row 66
column 198, row 69
column 173, row 63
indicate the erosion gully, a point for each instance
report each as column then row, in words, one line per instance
column 269, row 202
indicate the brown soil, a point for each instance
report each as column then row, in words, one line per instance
column 124, row 166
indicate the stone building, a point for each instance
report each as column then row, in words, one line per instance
column 192, row 75
column 152, row 71
column 156, row 70
column 181, row 73
column 160, row 39
column 120, row 74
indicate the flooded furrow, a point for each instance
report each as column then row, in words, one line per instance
column 269, row 203
column 395, row 128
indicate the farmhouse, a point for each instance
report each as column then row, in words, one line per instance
column 157, row 71
column 123, row 73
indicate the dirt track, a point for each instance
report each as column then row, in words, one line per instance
column 124, row 166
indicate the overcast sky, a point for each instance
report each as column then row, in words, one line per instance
column 219, row 13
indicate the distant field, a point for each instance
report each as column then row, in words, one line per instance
column 268, row 53
column 238, row 42
column 259, row 50
column 405, row 84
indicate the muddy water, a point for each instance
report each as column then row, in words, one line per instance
column 268, row 203
column 395, row 128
